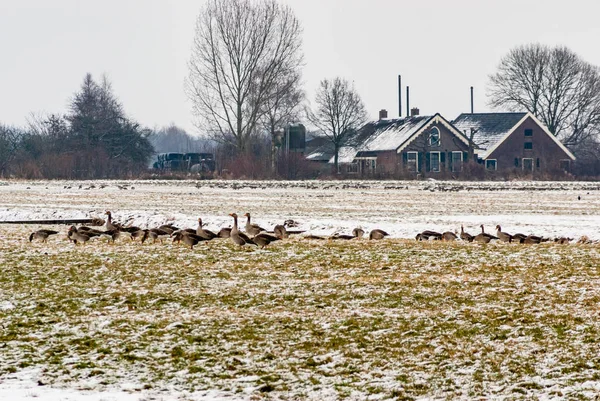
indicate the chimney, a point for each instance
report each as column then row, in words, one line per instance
column 407, row 101
column 472, row 100
column 383, row 114
column 414, row 112
column 399, row 95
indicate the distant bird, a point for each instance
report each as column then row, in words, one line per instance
column 503, row 236
column 42, row 235
column 264, row 239
column 358, row 232
column 464, row 235
column 280, row 231
column 206, row 234
column 483, row 237
column 377, row 234
column 236, row 236
column 76, row 236
column 252, row 229
column 578, row 197
column 449, row 236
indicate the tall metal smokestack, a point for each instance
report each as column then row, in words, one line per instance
column 407, row 101
column 472, row 100
column 399, row 95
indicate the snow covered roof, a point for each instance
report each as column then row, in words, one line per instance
column 490, row 128
column 382, row 135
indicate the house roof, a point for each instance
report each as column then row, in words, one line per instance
column 390, row 134
column 492, row 129
column 382, row 135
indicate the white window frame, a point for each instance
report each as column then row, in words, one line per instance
column 454, row 164
column 439, row 136
column 495, row 164
column 532, row 163
column 408, row 161
column 439, row 159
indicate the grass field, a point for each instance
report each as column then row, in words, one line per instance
column 393, row 319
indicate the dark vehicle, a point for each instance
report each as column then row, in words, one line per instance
column 193, row 162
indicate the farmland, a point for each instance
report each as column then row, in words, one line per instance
column 304, row 319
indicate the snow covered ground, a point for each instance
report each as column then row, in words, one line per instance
column 401, row 208
column 313, row 320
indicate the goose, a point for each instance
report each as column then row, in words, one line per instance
column 264, row 239
column 520, row 238
column 563, row 240
column 206, row 234
column 236, row 236
column 224, row 232
column 312, row 236
column 358, row 232
column 483, row 237
column 154, row 234
column 504, row 237
column 465, row 236
column 534, row 239
column 377, row 234
column 76, row 236
column 187, row 238
column 90, row 232
column 170, row 228
column 425, row 235
column 449, row 236
column 42, row 235
column 280, row 231
column 110, row 225
column 252, row 229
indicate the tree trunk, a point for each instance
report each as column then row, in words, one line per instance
column 335, row 158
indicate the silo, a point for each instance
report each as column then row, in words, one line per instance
column 294, row 140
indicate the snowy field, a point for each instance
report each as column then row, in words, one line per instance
column 302, row 319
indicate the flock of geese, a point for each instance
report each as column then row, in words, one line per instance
column 253, row 235
column 260, row 237
column 484, row 238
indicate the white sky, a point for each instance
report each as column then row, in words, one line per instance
column 441, row 48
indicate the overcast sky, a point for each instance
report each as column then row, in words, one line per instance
column 441, row 48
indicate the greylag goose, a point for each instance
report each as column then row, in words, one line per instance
column 520, row 238
column 465, row 236
column 170, row 228
column 252, row 229
column 206, row 234
column 449, row 236
column 42, row 235
column 224, row 232
column 377, row 234
column 264, row 239
column 425, row 235
column 236, row 236
column 563, row 240
column 504, row 237
column 76, row 236
column 280, row 231
column 483, row 237
column 187, row 238
column 358, row 232
column 534, row 239
column 154, row 234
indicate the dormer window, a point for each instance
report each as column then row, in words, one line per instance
column 434, row 137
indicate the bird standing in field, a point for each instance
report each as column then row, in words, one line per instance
column 42, row 235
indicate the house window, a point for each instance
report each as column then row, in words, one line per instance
column 516, row 162
column 565, row 165
column 457, row 162
column 537, row 163
column 353, row 167
column 528, row 132
column 434, row 162
column 434, row 137
column 529, row 145
column 412, row 161
column 527, row 164
column 491, row 164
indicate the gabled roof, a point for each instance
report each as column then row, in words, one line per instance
column 390, row 134
column 489, row 128
column 492, row 129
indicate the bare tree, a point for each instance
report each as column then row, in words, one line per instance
column 9, row 144
column 339, row 112
column 555, row 85
column 241, row 49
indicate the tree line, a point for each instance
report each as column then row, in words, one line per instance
column 245, row 86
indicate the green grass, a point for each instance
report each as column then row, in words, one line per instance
column 394, row 319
